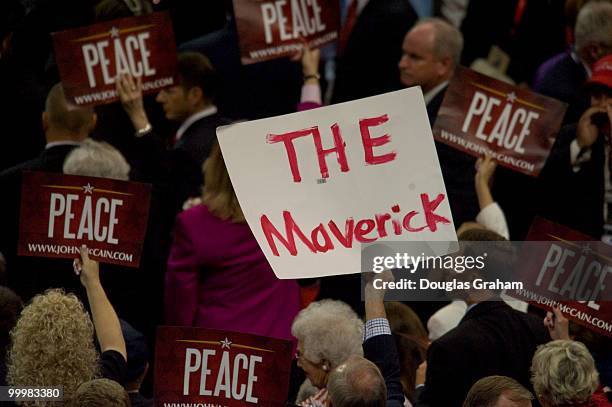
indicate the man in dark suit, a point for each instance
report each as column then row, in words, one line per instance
column 66, row 126
column 491, row 339
column 367, row 63
column 574, row 179
column 276, row 82
column 431, row 50
column 529, row 31
column 562, row 76
column 190, row 102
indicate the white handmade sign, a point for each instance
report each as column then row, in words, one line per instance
column 315, row 185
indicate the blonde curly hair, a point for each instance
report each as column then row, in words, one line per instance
column 52, row 345
column 563, row 373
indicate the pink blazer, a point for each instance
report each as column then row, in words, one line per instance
column 218, row 277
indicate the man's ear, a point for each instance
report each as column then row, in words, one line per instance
column 445, row 66
column 195, row 95
column 94, row 120
column 591, row 54
column 45, row 121
column 6, row 43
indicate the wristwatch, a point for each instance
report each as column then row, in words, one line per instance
column 314, row 76
column 144, row 131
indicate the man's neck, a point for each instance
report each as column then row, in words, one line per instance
column 209, row 110
column 432, row 92
column 57, row 136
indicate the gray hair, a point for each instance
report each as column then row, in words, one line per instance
column 563, row 372
column 594, row 25
column 97, row 159
column 329, row 330
column 448, row 40
column 357, row 383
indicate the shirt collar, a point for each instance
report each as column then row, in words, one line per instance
column 432, row 93
column 469, row 308
column 61, row 143
column 579, row 60
column 209, row 111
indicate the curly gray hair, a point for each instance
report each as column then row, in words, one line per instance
column 97, row 159
column 563, row 372
column 329, row 330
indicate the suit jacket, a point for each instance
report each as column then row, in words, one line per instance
column 539, row 35
column 28, row 276
column 219, row 278
column 458, row 171
column 382, row 351
column 275, row 84
column 368, row 65
column 561, row 77
column 573, row 199
column 491, row 339
column 177, row 171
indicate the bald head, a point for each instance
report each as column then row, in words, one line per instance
column 431, row 50
column 357, row 383
column 65, row 121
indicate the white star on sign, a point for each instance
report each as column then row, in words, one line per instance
column 586, row 249
column 88, row 188
column 225, row 343
column 114, row 32
column 511, row 97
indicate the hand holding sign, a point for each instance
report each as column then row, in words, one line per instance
column 87, row 269
column 557, row 324
column 588, row 130
column 485, row 170
column 129, row 90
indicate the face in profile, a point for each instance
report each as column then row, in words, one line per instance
column 418, row 65
column 175, row 102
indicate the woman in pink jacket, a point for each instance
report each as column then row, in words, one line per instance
column 217, row 276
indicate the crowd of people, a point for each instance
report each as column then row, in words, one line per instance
column 91, row 328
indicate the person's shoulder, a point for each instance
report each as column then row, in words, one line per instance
column 195, row 214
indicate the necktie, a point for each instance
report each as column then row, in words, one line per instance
column 518, row 15
column 347, row 27
column 607, row 233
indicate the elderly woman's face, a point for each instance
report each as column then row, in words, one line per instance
column 316, row 372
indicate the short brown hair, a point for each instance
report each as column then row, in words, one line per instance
column 486, row 391
column 62, row 114
column 196, row 70
column 101, row 393
column 219, row 195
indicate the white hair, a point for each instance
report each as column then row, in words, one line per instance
column 329, row 330
column 594, row 25
column 448, row 41
column 97, row 159
column 563, row 372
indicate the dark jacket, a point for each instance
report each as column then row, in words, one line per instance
column 573, row 199
column 368, row 65
column 28, row 276
column 382, row 352
column 491, row 339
